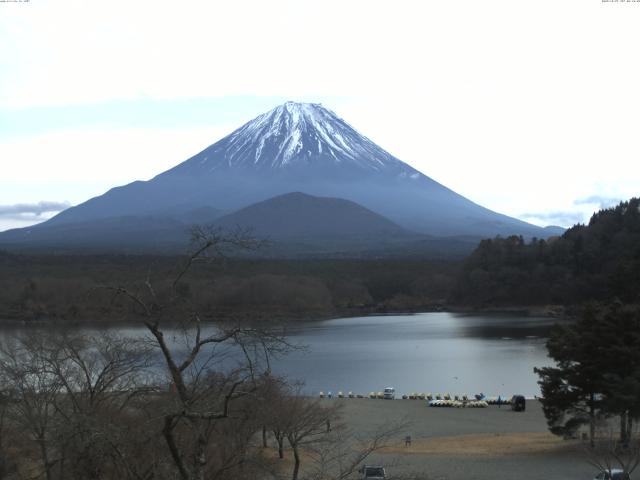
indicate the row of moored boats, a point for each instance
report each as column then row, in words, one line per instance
column 435, row 400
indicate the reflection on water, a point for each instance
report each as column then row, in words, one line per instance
column 430, row 352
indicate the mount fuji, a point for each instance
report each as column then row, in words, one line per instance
column 296, row 147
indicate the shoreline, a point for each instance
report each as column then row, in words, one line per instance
column 287, row 319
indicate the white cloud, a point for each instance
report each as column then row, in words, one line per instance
column 36, row 209
column 25, row 214
column 599, row 200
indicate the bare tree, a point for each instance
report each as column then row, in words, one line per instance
column 96, row 371
column 273, row 412
column 33, row 394
column 7, row 464
column 610, row 452
column 343, row 451
column 100, row 376
column 209, row 369
column 306, row 424
column 73, row 394
column 269, row 396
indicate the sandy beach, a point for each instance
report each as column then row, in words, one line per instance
column 468, row 443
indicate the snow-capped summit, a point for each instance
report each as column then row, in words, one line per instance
column 295, row 135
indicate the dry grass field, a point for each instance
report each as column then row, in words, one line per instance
column 460, row 444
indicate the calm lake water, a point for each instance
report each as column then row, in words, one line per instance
column 428, row 352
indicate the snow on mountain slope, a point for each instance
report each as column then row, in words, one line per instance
column 295, row 135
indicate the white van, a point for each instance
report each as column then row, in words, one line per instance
column 389, row 393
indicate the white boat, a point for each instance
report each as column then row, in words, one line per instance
column 389, row 393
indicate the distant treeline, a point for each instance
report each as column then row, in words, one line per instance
column 598, row 261
column 79, row 288
column 595, row 262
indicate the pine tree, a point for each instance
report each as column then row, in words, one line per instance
column 597, row 372
column 619, row 329
column 571, row 390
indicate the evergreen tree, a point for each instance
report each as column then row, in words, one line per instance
column 571, row 390
column 597, row 372
column 595, row 262
column 619, row 329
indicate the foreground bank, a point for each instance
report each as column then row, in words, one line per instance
column 459, row 444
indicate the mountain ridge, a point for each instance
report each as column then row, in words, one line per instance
column 297, row 214
column 299, row 148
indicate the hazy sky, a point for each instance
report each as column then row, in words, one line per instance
column 530, row 108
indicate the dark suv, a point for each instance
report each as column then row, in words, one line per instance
column 518, row 403
column 372, row 472
column 616, row 474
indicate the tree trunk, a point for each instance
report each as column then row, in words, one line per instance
column 167, row 431
column 623, row 429
column 200, row 453
column 280, row 441
column 592, row 421
column 45, row 457
column 296, row 465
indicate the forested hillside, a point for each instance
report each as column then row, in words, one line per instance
column 598, row 261
column 71, row 288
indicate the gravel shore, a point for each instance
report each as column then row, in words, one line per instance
column 468, row 443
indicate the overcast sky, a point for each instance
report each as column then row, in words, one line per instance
column 530, row 108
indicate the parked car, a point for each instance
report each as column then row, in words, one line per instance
column 518, row 403
column 372, row 472
column 616, row 474
column 389, row 393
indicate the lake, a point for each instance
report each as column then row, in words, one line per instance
column 435, row 352
column 428, row 352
